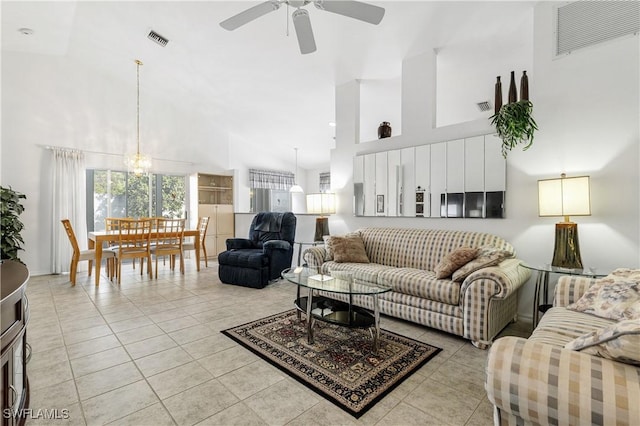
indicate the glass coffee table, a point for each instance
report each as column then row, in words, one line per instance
column 318, row 307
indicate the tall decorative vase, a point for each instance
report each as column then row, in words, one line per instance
column 384, row 130
column 498, row 96
column 524, row 87
column 513, row 93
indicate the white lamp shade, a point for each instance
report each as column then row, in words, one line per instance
column 564, row 197
column 321, row 203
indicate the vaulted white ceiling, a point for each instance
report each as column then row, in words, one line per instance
column 253, row 80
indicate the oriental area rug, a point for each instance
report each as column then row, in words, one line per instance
column 340, row 365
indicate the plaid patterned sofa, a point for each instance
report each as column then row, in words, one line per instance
column 537, row 381
column 477, row 308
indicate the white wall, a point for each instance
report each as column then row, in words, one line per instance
column 380, row 100
column 461, row 67
column 586, row 106
column 51, row 100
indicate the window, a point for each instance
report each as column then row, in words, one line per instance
column 112, row 193
column 271, row 179
column 270, row 190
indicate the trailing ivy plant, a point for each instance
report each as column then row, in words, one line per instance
column 10, row 210
column 515, row 125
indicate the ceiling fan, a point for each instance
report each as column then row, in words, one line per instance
column 353, row 9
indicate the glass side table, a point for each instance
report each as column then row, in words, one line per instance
column 542, row 283
column 305, row 243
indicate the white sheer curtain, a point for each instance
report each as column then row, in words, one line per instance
column 68, row 190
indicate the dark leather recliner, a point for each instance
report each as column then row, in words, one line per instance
column 255, row 261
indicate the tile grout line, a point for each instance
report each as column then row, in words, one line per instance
column 137, row 368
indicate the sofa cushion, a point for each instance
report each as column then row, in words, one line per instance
column 559, row 326
column 612, row 298
column 417, row 282
column 487, row 256
column 349, row 249
column 363, row 272
column 619, row 341
column 421, row 248
column 422, row 304
column 454, row 260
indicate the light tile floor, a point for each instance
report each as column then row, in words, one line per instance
column 150, row 352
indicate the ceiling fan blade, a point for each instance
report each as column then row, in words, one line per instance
column 249, row 15
column 304, row 32
column 353, row 9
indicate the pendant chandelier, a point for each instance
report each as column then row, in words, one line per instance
column 138, row 164
column 296, row 188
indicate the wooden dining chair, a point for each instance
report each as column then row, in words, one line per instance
column 113, row 224
column 90, row 255
column 134, row 242
column 168, row 241
column 203, row 224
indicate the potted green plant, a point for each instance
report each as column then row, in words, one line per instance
column 10, row 210
column 515, row 125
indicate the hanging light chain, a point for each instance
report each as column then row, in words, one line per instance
column 138, row 63
column 138, row 163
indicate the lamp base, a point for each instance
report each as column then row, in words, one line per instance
column 322, row 228
column 566, row 253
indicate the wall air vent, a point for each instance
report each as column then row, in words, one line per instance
column 154, row 36
column 586, row 23
column 484, row 106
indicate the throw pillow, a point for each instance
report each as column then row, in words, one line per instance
column 619, row 341
column 485, row 258
column 328, row 246
column 608, row 298
column 349, row 248
column 625, row 274
column 455, row 260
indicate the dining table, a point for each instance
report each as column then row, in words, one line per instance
column 98, row 238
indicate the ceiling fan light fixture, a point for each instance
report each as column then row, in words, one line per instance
column 353, row 9
column 297, row 3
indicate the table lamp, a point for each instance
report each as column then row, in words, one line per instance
column 321, row 203
column 566, row 196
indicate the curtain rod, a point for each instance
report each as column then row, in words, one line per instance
column 51, row 147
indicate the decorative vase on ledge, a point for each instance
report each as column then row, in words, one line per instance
column 513, row 92
column 498, row 95
column 524, row 87
column 384, row 130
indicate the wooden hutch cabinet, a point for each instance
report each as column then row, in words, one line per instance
column 215, row 200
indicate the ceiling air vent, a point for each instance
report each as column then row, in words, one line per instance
column 586, row 23
column 154, row 36
column 484, row 106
